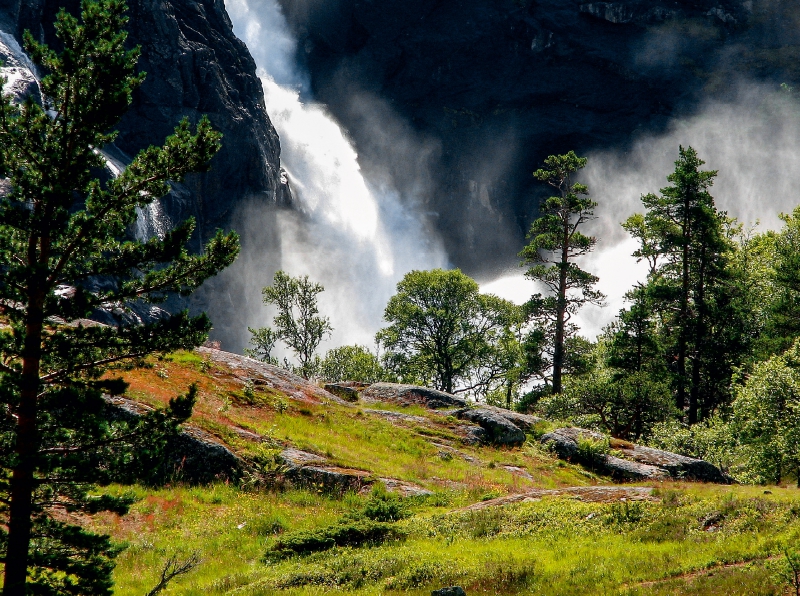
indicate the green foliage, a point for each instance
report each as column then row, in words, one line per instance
column 352, row 363
column 783, row 326
column 626, row 407
column 350, row 532
column 62, row 229
column 766, row 417
column 789, row 570
column 712, row 440
column 591, row 450
column 297, row 323
column 442, row 332
column 263, row 340
column 691, row 288
column 555, row 241
column 383, row 506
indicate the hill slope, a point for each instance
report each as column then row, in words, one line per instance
column 496, row 520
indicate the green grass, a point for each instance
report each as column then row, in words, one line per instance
column 557, row 546
column 700, row 539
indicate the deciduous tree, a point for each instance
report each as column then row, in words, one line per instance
column 297, row 323
column 442, row 331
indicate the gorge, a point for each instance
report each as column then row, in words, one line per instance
column 432, row 116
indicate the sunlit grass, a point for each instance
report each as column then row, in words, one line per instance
column 557, row 546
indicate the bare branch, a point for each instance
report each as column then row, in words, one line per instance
column 173, row 568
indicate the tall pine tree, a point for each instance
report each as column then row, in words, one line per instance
column 556, row 240
column 683, row 237
column 62, row 231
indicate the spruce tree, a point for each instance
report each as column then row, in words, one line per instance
column 64, row 253
column 684, row 238
column 556, row 240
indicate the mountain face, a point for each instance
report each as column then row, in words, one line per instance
column 496, row 86
column 195, row 65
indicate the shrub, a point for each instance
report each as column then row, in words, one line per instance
column 591, row 450
column 384, row 506
column 351, row 532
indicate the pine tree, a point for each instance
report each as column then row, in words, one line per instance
column 64, row 253
column 683, row 237
column 555, row 242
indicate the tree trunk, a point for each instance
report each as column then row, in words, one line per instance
column 22, row 478
column 680, row 400
column 699, row 339
column 561, row 311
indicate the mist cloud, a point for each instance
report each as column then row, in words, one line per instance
column 753, row 140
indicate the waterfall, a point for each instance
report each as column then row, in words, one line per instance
column 355, row 236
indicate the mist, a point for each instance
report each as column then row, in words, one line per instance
column 356, row 235
column 752, row 140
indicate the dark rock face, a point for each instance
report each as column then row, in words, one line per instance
column 411, row 394
column 195, row 65
column 313, row 471
column 343, row 391
column 475, row 435
column 524, row 422
column 564, row 441
column 495, row 86
column 499, row 430
column 678, row 466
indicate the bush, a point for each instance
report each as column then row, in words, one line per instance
column 590, row 450
column 384, row 506
column 712, row 440
column 352, row 532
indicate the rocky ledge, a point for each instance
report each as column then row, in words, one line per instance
column 412, row 395
column 311, row 470
column 634, row 463
column 192, row 456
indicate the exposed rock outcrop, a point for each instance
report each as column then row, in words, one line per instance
column 390, row 415
column 499, row 430
column 678, row 466
column 261, row 373
column 475, row 435
column 346, row 392
column 314, row 471
column 449, row 591
column 636, row 463
column 411, row 395
column 588, row 494
column 193, row 456
column 524, row 422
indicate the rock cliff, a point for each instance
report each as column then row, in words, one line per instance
column 195, row 65
column 497, row 85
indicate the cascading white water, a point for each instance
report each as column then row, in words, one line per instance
column 21, row 78
column 356, row 238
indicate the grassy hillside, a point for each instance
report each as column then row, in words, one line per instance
column 680, row 539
